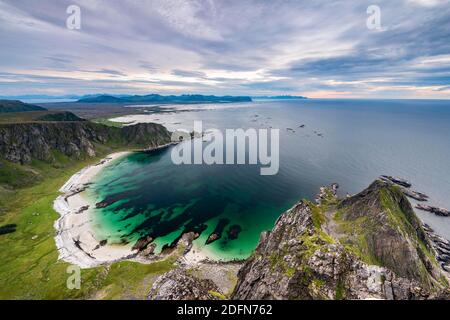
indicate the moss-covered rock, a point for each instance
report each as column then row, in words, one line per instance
column 380, row 224
column 368, row 246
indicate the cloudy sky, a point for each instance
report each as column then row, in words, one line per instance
column 314, row 48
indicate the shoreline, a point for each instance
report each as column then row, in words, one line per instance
column 74, row 238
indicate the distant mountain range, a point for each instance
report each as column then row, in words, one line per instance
column 283, row 97
column 17, row 106
column 156, row 98
column 150, row 98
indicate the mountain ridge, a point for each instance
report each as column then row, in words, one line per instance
column 157, row 98
column 8, row 106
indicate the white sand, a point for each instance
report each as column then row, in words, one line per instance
column 74, row 238
column 195, row 256
column 74, row 227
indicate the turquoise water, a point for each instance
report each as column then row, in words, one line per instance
column 361, row 140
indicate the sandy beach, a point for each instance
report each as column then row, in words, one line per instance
column 75, row 240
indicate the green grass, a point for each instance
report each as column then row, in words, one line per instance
column 316, row 214
column 355, row 241
column 29, row 266
column 340, row 291
column 218, row 295
column 15, row 175
column 109, row 123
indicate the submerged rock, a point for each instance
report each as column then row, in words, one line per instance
column 233, row 232
column 103, row 204
column 217, row 233
column 142, row 243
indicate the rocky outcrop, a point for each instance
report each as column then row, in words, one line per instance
column 23, row 142
column 381, row 224
column 437, row 211
column 441, row 247
column 369, row 246
column 149, row 135
column 179, row 284
column 60, row 116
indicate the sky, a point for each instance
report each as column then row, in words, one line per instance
column 315, row 48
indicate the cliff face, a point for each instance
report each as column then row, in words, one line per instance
column 382, row 226
column 22, row 142
column 367, row 246
column 150, row 135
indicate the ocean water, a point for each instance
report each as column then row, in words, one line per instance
column 361, row 139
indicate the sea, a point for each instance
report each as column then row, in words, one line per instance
column 349, row 142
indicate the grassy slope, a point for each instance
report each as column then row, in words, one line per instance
column 107, row 122
column 29, row 268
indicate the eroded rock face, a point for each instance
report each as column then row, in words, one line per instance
column 178, row 284
column 149, row 135
column 23, row 142
column 298, row 259
column 390, row 232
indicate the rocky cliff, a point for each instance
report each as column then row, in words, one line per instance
column 179, row 284
column 369, row 246
column 23, row 142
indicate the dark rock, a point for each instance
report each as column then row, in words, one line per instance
column 395, row 180
column 217, row 233
column 233, row 232
column 142, row 243
column 82, row 209
column 101, row 244
column 437, row 211
column 149, row 250
column 419, row 196
column 102, row 204
column 178, row 284
column 213, row 237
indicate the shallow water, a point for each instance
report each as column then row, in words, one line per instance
column 361, row 140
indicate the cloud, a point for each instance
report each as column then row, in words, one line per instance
column 188, row 74
column 316, row 48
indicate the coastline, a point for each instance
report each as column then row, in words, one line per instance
column 74, row 238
